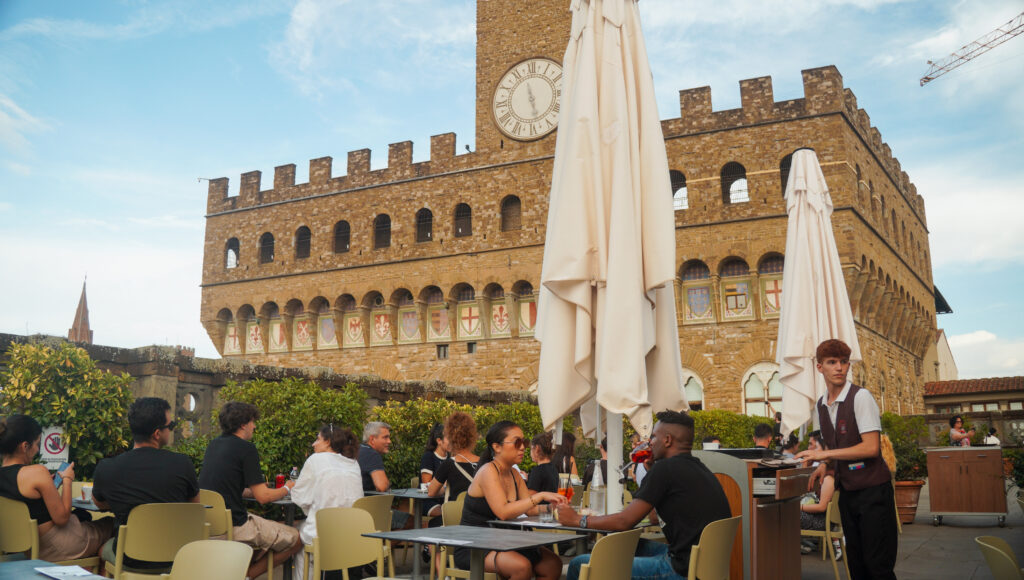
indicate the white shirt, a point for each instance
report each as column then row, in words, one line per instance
column 991, row 440
column 865, row 409
column 326, row 480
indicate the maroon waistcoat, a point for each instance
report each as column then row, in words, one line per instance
column 852, row 475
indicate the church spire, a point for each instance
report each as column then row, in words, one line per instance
column 80, row 331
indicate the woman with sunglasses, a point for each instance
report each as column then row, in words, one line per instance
column 61, row 535
column 498, row 493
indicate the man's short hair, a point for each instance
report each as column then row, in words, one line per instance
column 762, row 430
column 145, row 415
column 684, row 420
column 234, row 414
column 832, row 347
column 791, row 442
column 373, row 428
column 816, row 435
column 711, row 439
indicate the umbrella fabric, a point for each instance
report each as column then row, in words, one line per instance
column 815, row 306
column 606, row 319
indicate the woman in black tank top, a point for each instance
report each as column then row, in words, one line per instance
column 499, row 493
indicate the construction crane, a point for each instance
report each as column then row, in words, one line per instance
column 980, row 46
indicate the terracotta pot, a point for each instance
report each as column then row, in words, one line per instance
column 907, row 494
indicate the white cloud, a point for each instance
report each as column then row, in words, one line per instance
column 6, row 206
column 19, row 168
column 973, row 212
column 336, row 45
column 983, row 354
column 16, row 124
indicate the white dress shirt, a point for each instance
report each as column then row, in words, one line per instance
column 327, row 480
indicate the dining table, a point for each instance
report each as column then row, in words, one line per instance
column 23, row 569
column 479, row 540
column 413, row 495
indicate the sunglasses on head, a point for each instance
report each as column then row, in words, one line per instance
column 518, row 442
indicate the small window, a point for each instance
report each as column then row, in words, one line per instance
column 424, row 225
column 342, row 237
column 302, row 242
column 382, row 231
column 784, row 166
column 977, row 407
column 511, row 214
column 734, row 183
column 679, row 193
column 467, row 293
column 773, row 264
column 463, row 221
column 231, row 254
column 442, row 352
column 696, row 270
column 735, row 267
column 1016, row 405
column 471, row 347
column 991, row 406
column 266, row 248
column 433, row 295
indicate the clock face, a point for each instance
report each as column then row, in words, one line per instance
column 525, row 102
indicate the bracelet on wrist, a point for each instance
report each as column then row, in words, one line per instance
column 583, row 521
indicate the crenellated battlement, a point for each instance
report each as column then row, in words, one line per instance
column 823, row 94
column 321, row 181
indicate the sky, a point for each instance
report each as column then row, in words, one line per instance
column 113, row 114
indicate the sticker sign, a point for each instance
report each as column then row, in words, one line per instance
column 52, row 448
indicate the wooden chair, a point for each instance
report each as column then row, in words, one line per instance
column 710, row 556
column 20, row 534
column 612, row 558
column 833, row 531
column 211, row 560
column 1000, row 557
column 339, row 543
column 379, row 508
column 155, row 532
column 217, row 515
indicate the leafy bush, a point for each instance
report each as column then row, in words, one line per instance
column 905, row 434
column 733, row 429
column 62, row 387
column 291, row 411
column 1016, row 457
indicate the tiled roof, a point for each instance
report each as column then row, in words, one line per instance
column 972, row 386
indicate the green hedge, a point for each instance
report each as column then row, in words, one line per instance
column 733, row 429
column 906, row 434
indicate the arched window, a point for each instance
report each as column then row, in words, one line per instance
column 465, row 292
column 382, row 231
column 342, row 237
column 266, row 248
column 302, row 242
column 463, row 221
column 696, row 270
column 432, row 295
column 784, row 166
column 231, row 253
column 679, row 194
column 734, row 267
column 424, row 225
column 772, row 264
column 694, row 389
column 762, row 390
column 511, row 214
column 735, row 289
column 734, row 183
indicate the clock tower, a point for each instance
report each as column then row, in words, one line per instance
column 519, row 50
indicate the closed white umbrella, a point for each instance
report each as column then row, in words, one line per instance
column 815, row 305
column 606, row 318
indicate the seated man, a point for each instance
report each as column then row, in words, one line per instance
column 763, row 435
column 231, row 467
column 791, row 447
column 146, row 474
column 685, row 493
column 376, row 443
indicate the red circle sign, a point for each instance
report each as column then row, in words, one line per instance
column 54, row 444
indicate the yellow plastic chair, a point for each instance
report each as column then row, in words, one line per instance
column 339, row 543
column 19, row 532
column 710, row 557
column 379, row 508
column 1000, row 557
column 833, row 531
column 451, row 515
column 211, row 560
column 612, row 558
column 217, row 514
column 155, row 532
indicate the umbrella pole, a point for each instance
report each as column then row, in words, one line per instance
column 598, row 434
column 614, row 486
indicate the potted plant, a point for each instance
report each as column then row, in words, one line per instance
column 911, row 461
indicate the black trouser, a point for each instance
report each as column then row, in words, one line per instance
column 869, row 524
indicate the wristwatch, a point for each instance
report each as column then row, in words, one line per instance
column 583, row 521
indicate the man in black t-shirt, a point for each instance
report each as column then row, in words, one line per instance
column 146, row 474
column 231, row 468
column 685, row 493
